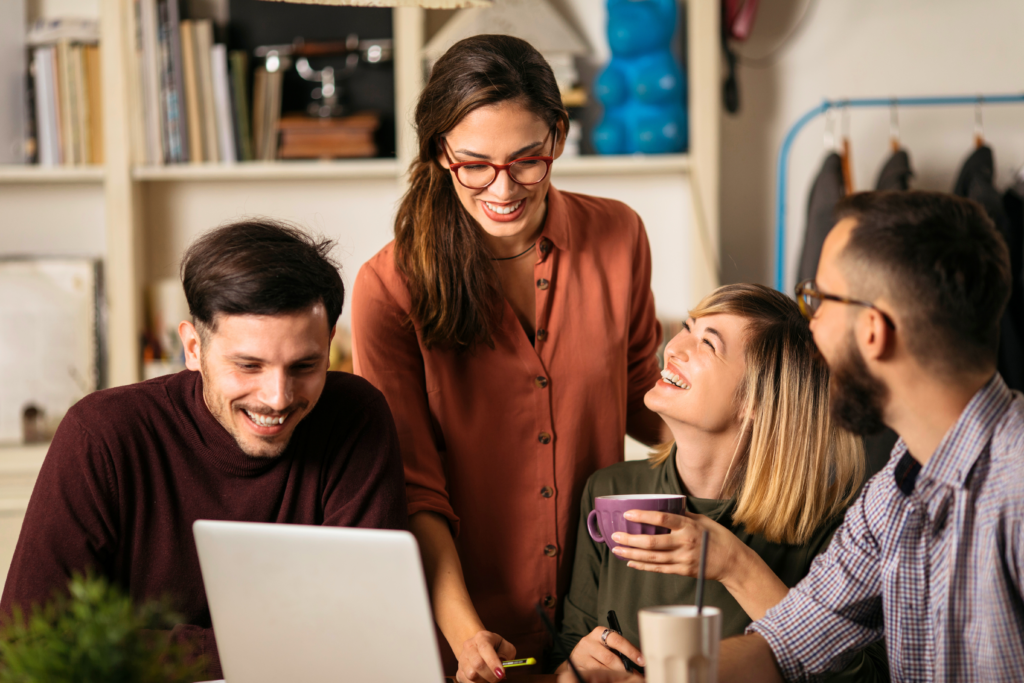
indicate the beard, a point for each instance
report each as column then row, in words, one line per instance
column 856, row 397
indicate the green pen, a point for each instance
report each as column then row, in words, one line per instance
column 529, row 661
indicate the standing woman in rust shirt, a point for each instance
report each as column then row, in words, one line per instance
column 512, row 329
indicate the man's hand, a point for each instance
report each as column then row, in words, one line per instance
column 481, row 656
column 591, row 653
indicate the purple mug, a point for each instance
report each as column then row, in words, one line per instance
column 606, row 517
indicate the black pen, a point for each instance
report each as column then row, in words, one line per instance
column 613, row 624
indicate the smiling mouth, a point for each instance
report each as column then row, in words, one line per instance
column 266, row 421
column 672, row 378
column 504, row 210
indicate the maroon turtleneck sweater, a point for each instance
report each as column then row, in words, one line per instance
column 130, row 469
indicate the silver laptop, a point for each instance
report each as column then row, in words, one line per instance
column 310, row 603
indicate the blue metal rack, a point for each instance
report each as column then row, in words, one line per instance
column 787, row 144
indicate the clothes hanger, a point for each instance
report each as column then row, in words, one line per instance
column 979, row 128
column 830, row 130
column 845, row 151
column 894, row 127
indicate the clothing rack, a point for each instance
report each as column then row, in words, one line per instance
column 825, row 106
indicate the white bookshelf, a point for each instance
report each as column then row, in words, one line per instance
column 149, row 213
column 40, row 175
column 272, row 170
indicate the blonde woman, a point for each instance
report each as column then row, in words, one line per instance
column 764, row 469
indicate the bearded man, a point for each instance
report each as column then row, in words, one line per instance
column 905, row 309
column 256, row 429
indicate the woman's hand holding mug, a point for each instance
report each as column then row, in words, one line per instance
column 678, row 551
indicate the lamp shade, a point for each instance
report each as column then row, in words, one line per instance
column 428, row 4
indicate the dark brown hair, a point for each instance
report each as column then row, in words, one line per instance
column 941, row 262
column 259, row 266
column 438, row 246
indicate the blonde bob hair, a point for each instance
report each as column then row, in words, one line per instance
column 800, row 468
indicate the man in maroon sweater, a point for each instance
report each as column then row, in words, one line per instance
column 255, row 430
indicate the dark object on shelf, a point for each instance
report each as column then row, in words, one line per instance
column 329, row 98
column 305, row 137
column 371, row 88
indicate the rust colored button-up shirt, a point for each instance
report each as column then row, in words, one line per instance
column 501, row 441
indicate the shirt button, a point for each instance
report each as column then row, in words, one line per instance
column 550, row 550
column 544, row 438
column 549, row 601
column 547, row 492
column 541, row 382
column 545, row 246
column 542, row 334
column 543, row 284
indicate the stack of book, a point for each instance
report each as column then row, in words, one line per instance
column 64, row 93
column 303, row 137
column 188, row 94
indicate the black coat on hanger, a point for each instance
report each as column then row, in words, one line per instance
column 976, row 182
column 827, row 190
column 896, row 172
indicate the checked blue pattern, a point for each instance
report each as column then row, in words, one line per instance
column 935, row 565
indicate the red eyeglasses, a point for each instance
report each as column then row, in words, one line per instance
column 477, row 175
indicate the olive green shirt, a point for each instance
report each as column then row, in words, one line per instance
column 601, row 581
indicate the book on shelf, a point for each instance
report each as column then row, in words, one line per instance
column 47, row 124
column 176, row 94
column 203, row 44
column 266, row 111
column 240, row 103
column 222, row 102
column 64, row 82
column 95, row 103
column 191, row 91
column 16, row 135
column 151, row 107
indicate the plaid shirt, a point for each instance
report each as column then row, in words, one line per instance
column 931, row 558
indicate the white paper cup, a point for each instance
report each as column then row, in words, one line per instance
column 678, row 645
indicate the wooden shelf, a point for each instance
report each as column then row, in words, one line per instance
column 27, row 174
column 271, row 170
column 632, row 165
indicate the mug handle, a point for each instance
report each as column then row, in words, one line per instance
column 592, row 527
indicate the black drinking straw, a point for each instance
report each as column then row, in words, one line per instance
column 700, row 571
column 559, row 650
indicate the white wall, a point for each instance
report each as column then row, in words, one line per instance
column 861, row 48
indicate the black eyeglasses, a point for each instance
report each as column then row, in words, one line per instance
column 809, row 298
column 477, row 175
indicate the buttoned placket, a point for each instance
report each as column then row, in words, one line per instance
column 535, row 358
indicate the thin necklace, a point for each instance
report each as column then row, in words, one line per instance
column 509, row 258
